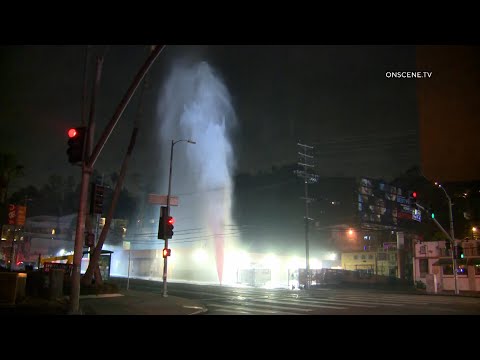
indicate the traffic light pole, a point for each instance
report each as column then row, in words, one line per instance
column 74, row 304
column 78, row 248
column 452, row 241
column 87, row 167
column 123, row 104
column 452, row 235
column 165, row 259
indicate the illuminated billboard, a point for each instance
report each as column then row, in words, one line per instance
column 383, row 204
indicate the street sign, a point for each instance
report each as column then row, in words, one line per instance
column 162, row 199
column 16, row 214
column 417, row 215
column 12, row 214
column 21, row 215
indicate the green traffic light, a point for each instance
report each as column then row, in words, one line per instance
column 433, row 215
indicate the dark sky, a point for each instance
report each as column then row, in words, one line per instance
column 334, row 97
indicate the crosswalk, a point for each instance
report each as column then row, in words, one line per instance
column 283, row 302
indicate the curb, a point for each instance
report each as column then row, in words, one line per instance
column 99, row 296
column 200, row 310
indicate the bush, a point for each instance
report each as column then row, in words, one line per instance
column 420, row 285
column 105, row 288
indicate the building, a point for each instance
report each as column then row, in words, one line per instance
column 433, row 264
column 381, row 261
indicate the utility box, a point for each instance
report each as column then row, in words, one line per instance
column 55, row 289
column 254, row 277
column 432, row 284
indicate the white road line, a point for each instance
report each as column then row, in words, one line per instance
column 270, row 306
column 281, row 301
column 316, row 305
column 249, row 310
column 331, row 301
column 385, row 301
column 227, row 310
column 367, row 302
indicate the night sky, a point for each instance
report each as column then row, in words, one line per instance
column 334, row 97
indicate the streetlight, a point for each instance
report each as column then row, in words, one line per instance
column 454, row 260
column 165, row 262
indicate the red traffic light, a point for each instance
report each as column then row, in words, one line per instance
column 166, row 252
column 414, row 194
column 171, row 220
column 76, row 140
column 72, row 132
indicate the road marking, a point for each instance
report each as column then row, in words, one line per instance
column 394, row 302
column 248, row 310
column 293, row 303
column 227, row 310
column 331, row 301
column 269, row 306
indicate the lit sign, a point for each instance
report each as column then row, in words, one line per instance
column 417, row 215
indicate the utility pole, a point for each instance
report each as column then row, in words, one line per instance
column 307, row 178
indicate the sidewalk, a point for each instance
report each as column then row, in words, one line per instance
column 126, row 302
column 131, row 302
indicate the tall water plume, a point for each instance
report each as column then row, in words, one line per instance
column 195, row 104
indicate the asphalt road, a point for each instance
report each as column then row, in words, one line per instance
column 226, row 300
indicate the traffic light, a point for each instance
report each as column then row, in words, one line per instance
column 413, row 198
column 431, row 212
column 458, row 252
column 169, row 226
column 166, row 252
column 76, row 141
column 162, row 223
column 96, row 199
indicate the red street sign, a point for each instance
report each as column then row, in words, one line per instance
column 162, row 199
column 21, row 215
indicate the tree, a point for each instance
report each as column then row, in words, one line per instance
column 9, row 170
column 439, row 236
